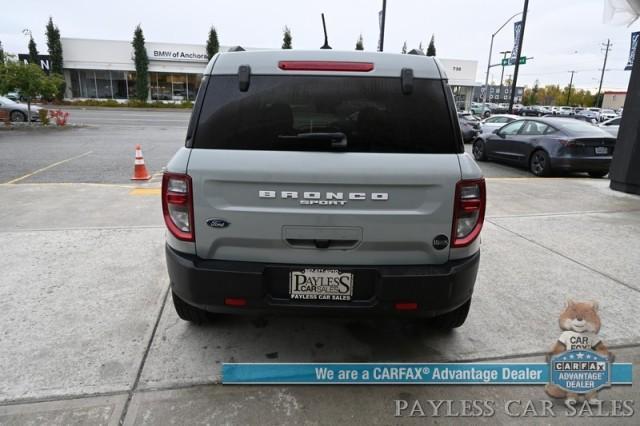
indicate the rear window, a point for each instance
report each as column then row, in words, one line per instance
column 291, row 113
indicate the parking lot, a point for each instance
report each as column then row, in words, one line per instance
column 90, row 336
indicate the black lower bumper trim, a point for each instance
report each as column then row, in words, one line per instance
column 436, row 289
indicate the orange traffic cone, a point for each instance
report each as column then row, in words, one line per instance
column 139, row 169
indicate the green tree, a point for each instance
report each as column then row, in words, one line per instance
column 286, row 38
column 142, row 65
column 404, row 47
column 29, row 80
column 431, row 49
column 360, row 43
column 213, row 46
column 33, row 51
column 55, row 52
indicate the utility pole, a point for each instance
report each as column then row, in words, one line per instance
column 384, row 15
column 569, row 92
column 504, row 56
column 604, row 65
column 517, row 64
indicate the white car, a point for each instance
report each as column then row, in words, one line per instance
column 565, row 111
column 494, row 122
column 611, row 126
column 607, row 114
column 593, row 113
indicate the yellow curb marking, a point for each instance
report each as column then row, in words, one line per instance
column 47, row 168
column 145, row 191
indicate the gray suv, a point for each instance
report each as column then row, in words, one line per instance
column 323, row 182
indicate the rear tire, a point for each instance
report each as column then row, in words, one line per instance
column 597, row 175
column 453, row 319
column 540, row 163
column 190, row 313
column 478, row 150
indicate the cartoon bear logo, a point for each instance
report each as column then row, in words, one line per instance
column 580, row 323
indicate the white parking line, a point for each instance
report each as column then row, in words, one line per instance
column 47, row 167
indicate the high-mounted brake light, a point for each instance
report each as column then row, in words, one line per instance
column 468, row 212
column 177, row 205
column 325, row 66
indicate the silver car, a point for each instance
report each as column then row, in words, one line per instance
column 17, row 111
column 488, row 125
column 326, row 183
column 611, row 126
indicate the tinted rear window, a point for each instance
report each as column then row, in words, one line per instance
column 372, row 112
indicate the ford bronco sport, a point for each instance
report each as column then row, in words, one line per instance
column 323, row 182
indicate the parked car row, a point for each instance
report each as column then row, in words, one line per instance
column 547, row 144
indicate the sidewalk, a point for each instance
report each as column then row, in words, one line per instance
column 90, row 337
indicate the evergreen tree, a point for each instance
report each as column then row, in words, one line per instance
column 142, row 65
column 360, row 43
column 55, row 47
column 404, row 48
column 55, row 52
column 431, row 49
column 213, row 46
column 286, row 38
column 1, row 54
column 33, row 52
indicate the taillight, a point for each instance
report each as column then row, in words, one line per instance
column 177, row 205
column 468, row 212
column 325, row 66
column 567, row 142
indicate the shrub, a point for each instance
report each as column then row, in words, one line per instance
column 43, row 113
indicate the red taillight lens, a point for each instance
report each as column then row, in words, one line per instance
column 177, row 205
column 567, row 142
column 468, row 212
column 325, row 66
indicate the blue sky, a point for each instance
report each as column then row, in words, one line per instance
column 561, row 35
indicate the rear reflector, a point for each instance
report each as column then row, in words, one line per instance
column 235, row 301
column 406, row 306
column 325, row 66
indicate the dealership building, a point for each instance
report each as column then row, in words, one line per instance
column 104, row 69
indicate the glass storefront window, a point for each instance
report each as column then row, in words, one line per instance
column 119, row 84
column 179, row 87
column 87, row 83
column 131, row 84
column 193, row 84
column 103, row 84
column 122, row 85
column 160, row 86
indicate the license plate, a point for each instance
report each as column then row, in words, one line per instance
column 602, row 150
column 320, row 284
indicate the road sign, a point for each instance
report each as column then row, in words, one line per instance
column 505, row 61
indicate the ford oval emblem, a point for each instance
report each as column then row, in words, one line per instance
column 217, row 223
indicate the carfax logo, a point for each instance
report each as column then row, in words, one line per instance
column 580, row 372
column 579, row 361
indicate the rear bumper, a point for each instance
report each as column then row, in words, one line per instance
column 581, row 164
column 436, row 289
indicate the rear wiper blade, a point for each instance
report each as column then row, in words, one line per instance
column 337, row 139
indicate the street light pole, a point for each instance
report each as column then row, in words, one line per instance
column 569, row 92
column 486, row 80
column 606, row 53
column 504, row 56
